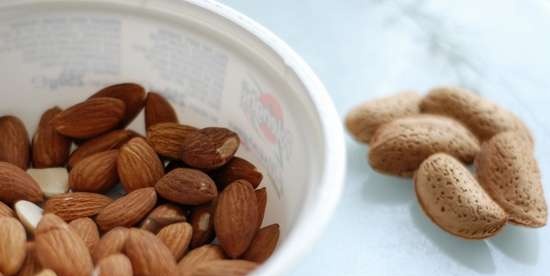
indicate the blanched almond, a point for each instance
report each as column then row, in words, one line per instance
column 29, row 214
column 52, row 181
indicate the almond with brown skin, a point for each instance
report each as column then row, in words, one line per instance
column 114, row 265
column 111, row 243
column 176, row 237
column 71, row 206
column 167, row 138
column 60, row 249
column 90, row 118
column 6, row 211
column 87, row 230
column 14, row 144
column 236, row 218
column 453, row 199
column 138, row 165
column 509, row 172
column 133, row 96
column 363, row 120
column 96, row 173
column 483, row 118
column 16, row 184
column 109, row 141
column 197, row 256
column 398, row 148
column 187, row 186
column 12, row 245
column 210, row 148
column 236, row 169
column 49, row 148
column 31, row 266
column 261, row 200
column 263, row 244
column 163, row 215
column 148, row 255
column 158, row 110
column 202, row 221
column 127, row 210
column 46, row 272
column 225, row 268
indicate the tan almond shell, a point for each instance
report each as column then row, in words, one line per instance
column 508, row 171
column 399, row 147
column 363, row 120
column 482, row 117
column 453, row 199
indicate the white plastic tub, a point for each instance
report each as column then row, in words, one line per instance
column 216, row 66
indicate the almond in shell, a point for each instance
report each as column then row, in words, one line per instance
column 210, row 148
column 453, row 199
column 399, row 147
column 49, row 148
column 133, row 96
column 508, row 171
column 158, row 110
column 14, row 144
column 12, row 245
column 71, row 206
column 148, row 255
column 96, row 173
column 16, row 184
column 363, row 120
column 127, row 210
column 90, row 118
column 236, row 218
column 187, row 186
column 138, row 165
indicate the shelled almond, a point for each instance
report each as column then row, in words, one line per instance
column 66, row 216
column 441, row 133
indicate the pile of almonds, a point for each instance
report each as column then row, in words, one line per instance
column 190, row 207
column 434, row 137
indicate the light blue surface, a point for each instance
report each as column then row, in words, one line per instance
column 362, row 49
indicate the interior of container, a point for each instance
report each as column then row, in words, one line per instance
column 213, row 72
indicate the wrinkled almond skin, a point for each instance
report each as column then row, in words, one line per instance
column 148, row 255
column 12, row 245
column 16, row 184
column 109, row 141
column 187, row 186
column 453, row 199
column 202, row 221
column 6, row 211
column 87, row 230
column 111, row 243
column 127, row 210
column 163, row 215
column 176, row 237
column 167, row 138
column 96, row 173
column 483, row 118
column 133, row 96
column 60, row 249
column 236, row 169
column 236, row 218
column 31, row 266
column 49, row 148
column 71, row 206
column 46, row 272
column 264, row 243
column 508, row 171
column 398, row 148
column 225, row 268
column 114, row 265
column 363, row 120
column 158, row 110
column 138, row 165
column 14, row 142
column 261, row 200
column 210, row 148
column 197, row 256
column 90, row 118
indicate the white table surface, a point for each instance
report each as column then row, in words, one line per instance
column 362, row 49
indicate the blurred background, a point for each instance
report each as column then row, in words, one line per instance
column 362, row 49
